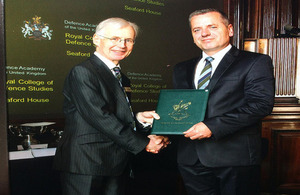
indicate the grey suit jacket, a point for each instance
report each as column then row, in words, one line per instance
column 241, row 94
column 98, row 134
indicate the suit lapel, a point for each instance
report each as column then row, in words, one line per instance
column 107, row 77
column 103, row 71
column 225, row 63
column 191, row 72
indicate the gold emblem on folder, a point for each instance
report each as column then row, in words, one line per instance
column 180, row 111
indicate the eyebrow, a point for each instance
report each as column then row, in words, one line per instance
column 197, row 27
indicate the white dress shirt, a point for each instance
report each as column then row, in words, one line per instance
column 107, row 62
column 217, row 58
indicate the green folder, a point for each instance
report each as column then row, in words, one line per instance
column 179, row 110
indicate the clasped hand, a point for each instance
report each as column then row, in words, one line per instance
column 156, row 143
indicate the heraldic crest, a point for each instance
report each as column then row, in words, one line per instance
column 36, row 29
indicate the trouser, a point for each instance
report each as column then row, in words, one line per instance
column 237, row 180
column 75, row 184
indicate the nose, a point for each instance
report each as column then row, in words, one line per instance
column 205, row 32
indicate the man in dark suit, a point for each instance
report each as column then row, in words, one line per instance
column 222, row 154
column 100, row 129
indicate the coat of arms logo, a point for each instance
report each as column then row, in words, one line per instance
column 180, row 111
column 36, row 29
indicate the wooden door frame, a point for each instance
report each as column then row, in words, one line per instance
column 4, row 169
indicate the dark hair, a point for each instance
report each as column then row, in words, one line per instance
column 204, row 11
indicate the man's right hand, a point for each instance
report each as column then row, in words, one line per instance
column 157, row 143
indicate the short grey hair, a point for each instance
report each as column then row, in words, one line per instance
column 204, row 11
column 117, row 22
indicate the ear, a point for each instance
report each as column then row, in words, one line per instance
column 230, row 29
column 96, row 40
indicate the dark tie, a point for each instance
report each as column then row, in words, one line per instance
column 118, row 73
column 119, row 77
column 205, row 74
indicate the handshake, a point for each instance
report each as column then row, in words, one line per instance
column 156, row 143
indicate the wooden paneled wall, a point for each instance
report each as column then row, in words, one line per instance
column 261, row 19
column 285, row 53
column 4, row 181
column 281, row 165
column 266, row 19
column 235, row 11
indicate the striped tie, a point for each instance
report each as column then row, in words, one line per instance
column 205, row 74
column 118, row 73
column 119, row 77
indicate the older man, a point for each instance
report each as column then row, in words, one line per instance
column 100, row 129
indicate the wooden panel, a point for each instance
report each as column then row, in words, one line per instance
column 267, row 167
column 234, row 10
column 296, row 17
column 268, row 19
column 261, row 19
column 281, row 142
column 284, row 53
column 286, row 155
column 284, row 14
column 253, row 19
column 4, row 181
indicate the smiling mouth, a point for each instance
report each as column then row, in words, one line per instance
column 118, row 51
column 205, row 40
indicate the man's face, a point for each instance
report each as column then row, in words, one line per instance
column 210, row 33
column 114, row 51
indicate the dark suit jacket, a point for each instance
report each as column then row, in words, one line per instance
column 98, row 134
column 241, row 94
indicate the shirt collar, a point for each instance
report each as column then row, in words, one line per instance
column 106, row 61
column 219, row 55
column 217, row 58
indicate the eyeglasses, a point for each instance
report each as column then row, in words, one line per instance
column 116, row 40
